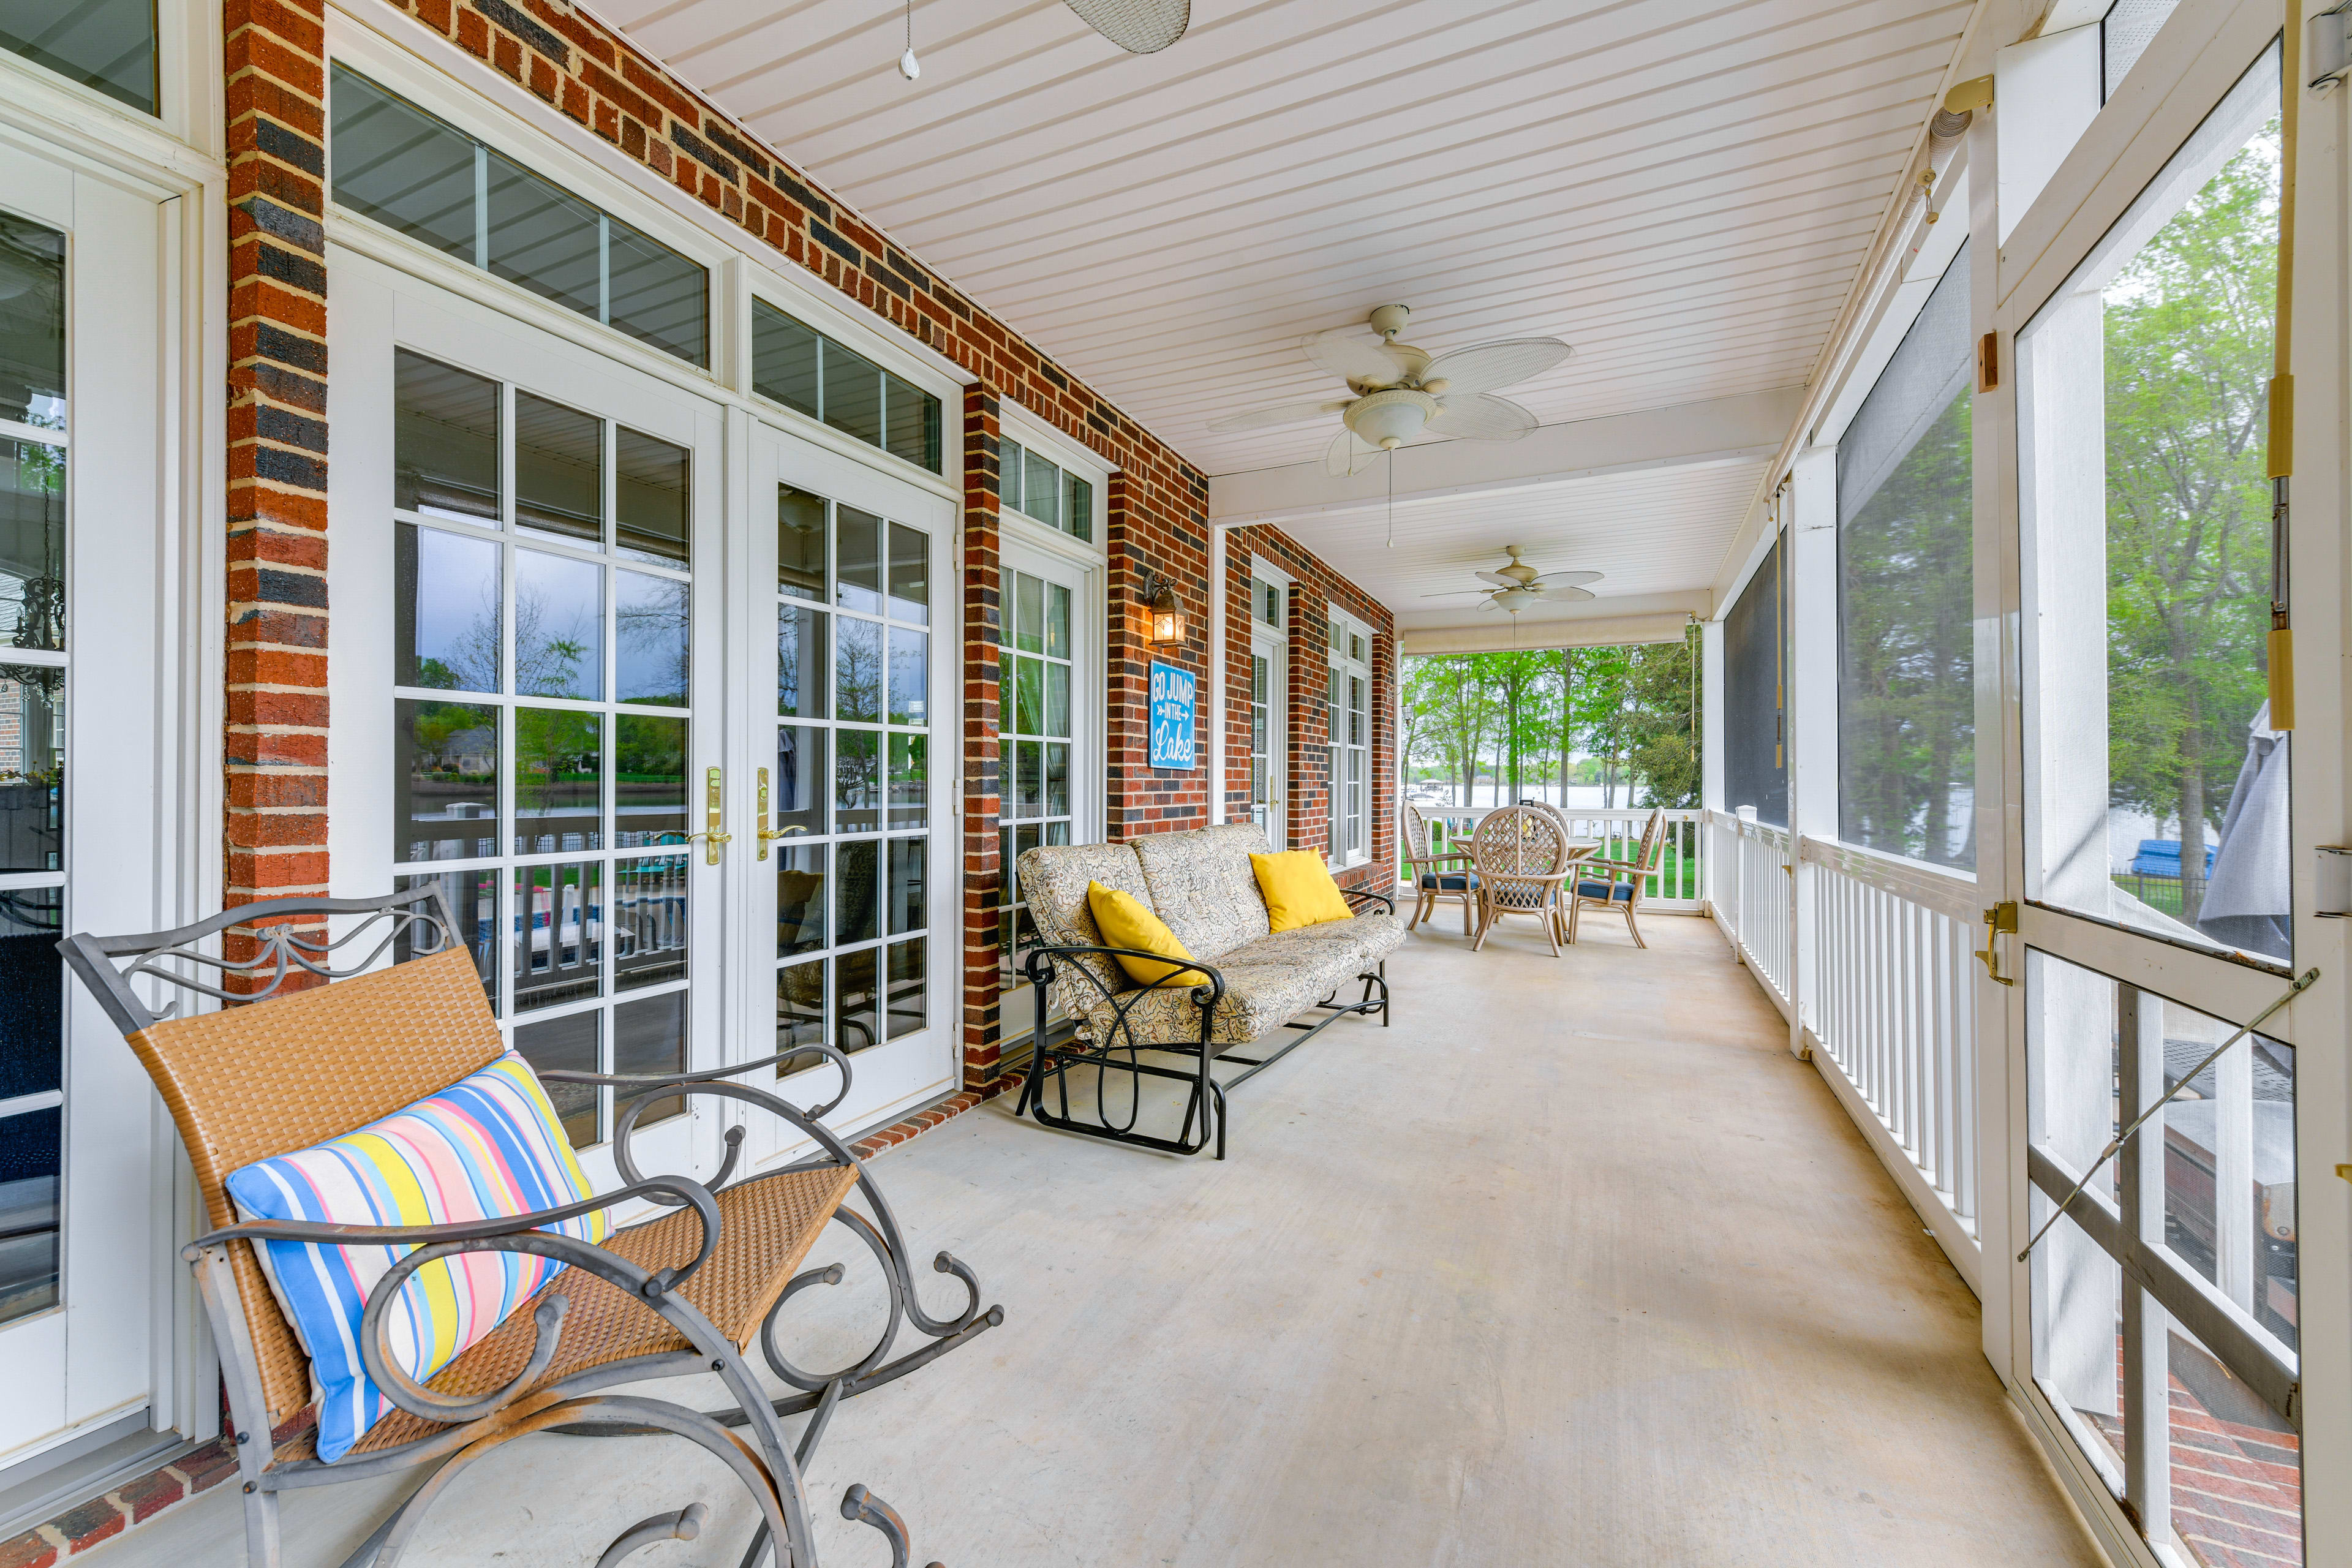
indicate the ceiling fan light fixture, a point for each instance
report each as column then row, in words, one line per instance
column 1390, row 418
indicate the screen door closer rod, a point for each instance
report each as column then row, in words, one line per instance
column 2302, row 983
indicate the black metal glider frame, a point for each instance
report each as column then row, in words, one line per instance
column 1121, row 1052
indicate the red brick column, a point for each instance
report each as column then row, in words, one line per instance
column 983, row 872
column 276, row 746
column 1310, row 729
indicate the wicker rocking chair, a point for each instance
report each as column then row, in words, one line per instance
column 1522, row 855
column 1618, row 885
column 1436, row 874
column 683, row 1295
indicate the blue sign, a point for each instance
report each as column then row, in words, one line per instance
column 1172, row 717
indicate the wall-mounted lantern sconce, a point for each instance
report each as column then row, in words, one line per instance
column 1168, row 621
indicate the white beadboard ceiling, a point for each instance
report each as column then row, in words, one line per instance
column 1682, row 192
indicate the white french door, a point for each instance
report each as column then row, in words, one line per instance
column 534, row 656
column 85, row 801
column 2177, row 1332
column 851, row 733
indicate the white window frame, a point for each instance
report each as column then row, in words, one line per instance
column 1015, row 423
column 1351, row 787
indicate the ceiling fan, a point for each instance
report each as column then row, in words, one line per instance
column 1402, row 391
column 1139, row 26
column 1519, row 585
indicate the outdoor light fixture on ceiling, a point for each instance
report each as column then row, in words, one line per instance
column 1169, row 622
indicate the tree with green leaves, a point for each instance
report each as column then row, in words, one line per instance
column 2189, row 328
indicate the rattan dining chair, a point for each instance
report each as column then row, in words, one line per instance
column 687, row 1294
column 1521, row 856
column 1437, row 874
column 1620, row 885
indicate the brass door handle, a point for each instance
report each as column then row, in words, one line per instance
column 2000, row 919
column 768, row 834
column 714, row 836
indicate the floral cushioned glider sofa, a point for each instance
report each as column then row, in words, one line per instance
column 1201, row 883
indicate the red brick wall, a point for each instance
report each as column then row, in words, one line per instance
column 275, row 837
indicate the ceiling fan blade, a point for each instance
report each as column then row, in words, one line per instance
column 1346, row 354
column 1492, row 604
column 1481, row 416
column 1455, row 593
column 1497, row 579
column 1565, row 593
column 1139, row 26
column 1285, row 414
column 1488, row 367
column 1564, row 579
column 1348, row 454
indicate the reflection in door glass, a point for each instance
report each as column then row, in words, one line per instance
column 649, row 622
column 559, row 470
column 2142, row 421
column 446, row 611
column 651, row 496
column 558, row 625
column 31, row 982
column 445, row 781
column 558, row 781
column 32, row 544
column 444, row 440
column 569, row 1044
column 109, row 45
column 32, row 767
column 31, row 324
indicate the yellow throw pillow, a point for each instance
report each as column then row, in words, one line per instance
column 1126, row 923
column 1298, row 889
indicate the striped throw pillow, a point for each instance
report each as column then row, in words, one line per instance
column 489, row 1145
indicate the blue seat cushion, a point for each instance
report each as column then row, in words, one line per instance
column 1614, row 892
column 1449, row 882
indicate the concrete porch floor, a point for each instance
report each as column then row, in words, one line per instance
column 1572, row 1264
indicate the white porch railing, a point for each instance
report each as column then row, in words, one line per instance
column 1680, row 886
column 1872, row 955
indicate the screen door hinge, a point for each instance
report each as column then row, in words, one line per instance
column 2331, row 889
column 1989, row 362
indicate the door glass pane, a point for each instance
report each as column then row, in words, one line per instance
column 558, row 625
column 800, row 544
column 649, row 616
column 32, row 768
column 859, row 583
column 473, row 901
column 570, row 1044
column 801, row 902
column 445, row 438
column 1029, row 782
column 651, row 497
column 857, row 780
column 801, row 787
column 649, row 1041
column 32, row 323
column 910, row 655
column 857, row 905
column 558, row 781
column 1057, row 621
column 649, row 922
column 907, row 1002
column 857, row 671
column 907, row 910
column 1057, row 781
column 649, row 780
column 404, row 169
column 857, row 999
column 560, row 929
column 852, row 394
column 783, row 359
column 910, row 566
column 2147, row 523
column 32, row 990
column 1028, row 613
column 445, row 773
column 31, row 1149
column 542, row 237
column 32, row 544
column 559, row 470
column 1057, row 700
column 800, row 662
column 109, row 45
column 1029, row 680
column 910, row 782
column 446, row 609
column 800, row 1012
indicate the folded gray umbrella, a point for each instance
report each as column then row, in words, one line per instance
column 2248, row 896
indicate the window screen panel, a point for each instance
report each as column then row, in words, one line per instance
column 1906, row 669
column 1754, row 771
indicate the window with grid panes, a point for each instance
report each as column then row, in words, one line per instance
column 801, row 368
column 1265, row 704
column 1036, row 487
column 540, row 658
column 1347, row 711
column 1034, row 731
column 852, row 776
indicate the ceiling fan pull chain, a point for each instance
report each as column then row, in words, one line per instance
column 1391, row 498
column 908, row 65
